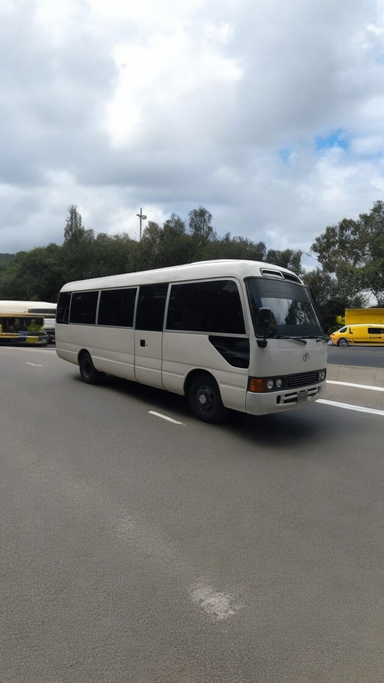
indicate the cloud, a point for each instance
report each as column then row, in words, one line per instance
column 268, row 114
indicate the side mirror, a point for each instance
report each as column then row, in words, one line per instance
column 264, row 318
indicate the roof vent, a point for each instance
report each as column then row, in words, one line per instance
column 271, row 273
column 290, row 276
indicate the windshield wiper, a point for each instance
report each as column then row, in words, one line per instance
column 318, row 337
column 300, row 340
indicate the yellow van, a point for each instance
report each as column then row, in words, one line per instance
column 368, row 334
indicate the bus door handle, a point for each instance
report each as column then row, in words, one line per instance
column 142, row 342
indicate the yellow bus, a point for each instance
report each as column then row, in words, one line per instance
column 26, row 322
column 22, row 329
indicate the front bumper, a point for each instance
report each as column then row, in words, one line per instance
column 280, row 401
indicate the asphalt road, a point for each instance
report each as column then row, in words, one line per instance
column 362, row 356
column 137, row 549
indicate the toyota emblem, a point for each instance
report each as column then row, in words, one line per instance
column 306, row 357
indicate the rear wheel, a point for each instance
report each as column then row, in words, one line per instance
column 205, row 400
column 343, row 342
column 88, row 372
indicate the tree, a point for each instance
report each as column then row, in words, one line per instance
column 199, row 226
column 177, row 245
column 77, row 250
column 234, row 247
column 74, row 232
column 288, row 258
column 148, row 252
column 111, row 254
column 371, row 245
column 34, row 275
column 175, row 225
column 6, row 261
column 160, row 247
column 353, row 251
column 331, row 297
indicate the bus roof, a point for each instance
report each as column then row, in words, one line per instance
column 21, row 307
column 21, row 315
column 237, row 268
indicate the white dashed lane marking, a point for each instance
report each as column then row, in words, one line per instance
column 165, row 417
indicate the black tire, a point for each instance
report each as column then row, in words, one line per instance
column 88, row 372
column 343, row 342
column 205, row 400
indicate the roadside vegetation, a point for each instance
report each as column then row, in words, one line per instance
column 350, row 257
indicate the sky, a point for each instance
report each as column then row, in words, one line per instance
column 268, row 113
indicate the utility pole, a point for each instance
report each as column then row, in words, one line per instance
column 141, row 218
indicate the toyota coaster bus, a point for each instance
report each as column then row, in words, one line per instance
column 228, row 334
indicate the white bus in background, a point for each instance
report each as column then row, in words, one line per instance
column 229, row 334
column 39, row 307
column 27, row 308
column 24, row 322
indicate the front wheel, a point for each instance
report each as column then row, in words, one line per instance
column 205, row 400
column 88, row 372
column 343, row 342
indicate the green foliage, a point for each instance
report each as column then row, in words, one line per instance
column 289, row 258
column 175, row 243
column 40, row 273
column 353, row 251
column 199, row 226
column 149, row 252
column 162, row 247
column 34, row 275
column 232, row 247
column 331, row 297
column 371, row 245
column 6, row 261
column 77, row 250
column 351, row 255
column 74, row 232
column 111, row 254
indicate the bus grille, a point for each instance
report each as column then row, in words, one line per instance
column 302, row 379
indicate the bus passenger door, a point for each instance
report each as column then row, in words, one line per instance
column 149, row 334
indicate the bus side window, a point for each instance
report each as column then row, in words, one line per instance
column 182, row 307
column 211, row 306
column 151, row 307
column 117, row 307
column 83, row 307
column 219, row 308
column 62, row 313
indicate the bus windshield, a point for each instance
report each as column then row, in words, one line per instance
column 293, row 314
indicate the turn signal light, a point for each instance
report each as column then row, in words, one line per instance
column 257, row 386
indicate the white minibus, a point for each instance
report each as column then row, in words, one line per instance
column 228, row 334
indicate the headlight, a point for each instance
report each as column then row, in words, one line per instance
column 270, row 383
column 279, row 383
column 322, row 374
